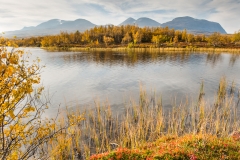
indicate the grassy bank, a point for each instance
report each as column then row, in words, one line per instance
column 188, row 147
column 172, row 49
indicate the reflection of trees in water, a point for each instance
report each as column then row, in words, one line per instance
column 127, row 58
column 233, row 59
column 133, row 58
column 213, row 58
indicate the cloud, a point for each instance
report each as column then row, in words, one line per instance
column 227, row 14
column 17, row 14
column 223, row 11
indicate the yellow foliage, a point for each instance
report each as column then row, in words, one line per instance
column 23, row 132
column 21, row 127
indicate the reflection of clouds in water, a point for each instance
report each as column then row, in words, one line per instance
column 76, row 78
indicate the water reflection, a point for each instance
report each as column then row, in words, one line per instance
column 213, row 58
column 79, row 78
column 233, row 59
column 125, row 58
column 133, row 58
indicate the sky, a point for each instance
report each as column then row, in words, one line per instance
column 15, row 14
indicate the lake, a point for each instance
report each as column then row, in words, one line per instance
column 80, row 78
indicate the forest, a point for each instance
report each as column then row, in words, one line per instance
column 132, row 36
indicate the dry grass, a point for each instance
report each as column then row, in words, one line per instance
column 151, row 49
column 232, row 50
column 146, row 121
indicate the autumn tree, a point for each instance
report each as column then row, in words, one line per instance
column 203, row 39
column 156, row 40
column 44, row 42
column 118, row 34
column 127, row 38
column 137, row 37
column 77, row 37
column 108, row 40
column 86, row 37
column 214, row 39
column 147, row 34
column 184, row 35
column 190, row 38
column 159, row 39
column 97, row 42
column 23, row 130
column 175, row 39
column 236, row 37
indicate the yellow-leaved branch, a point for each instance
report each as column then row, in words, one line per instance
column 24, row 132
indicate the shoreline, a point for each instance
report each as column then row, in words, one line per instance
column 172, row 49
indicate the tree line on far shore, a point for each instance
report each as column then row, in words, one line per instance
column 130, row 35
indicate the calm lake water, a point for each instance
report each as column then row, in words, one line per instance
column 80, row 78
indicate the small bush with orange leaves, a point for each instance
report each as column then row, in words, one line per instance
column 193, row 147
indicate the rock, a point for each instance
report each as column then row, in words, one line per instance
column 113, row 145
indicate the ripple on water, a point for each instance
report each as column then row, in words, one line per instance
column 82, row 77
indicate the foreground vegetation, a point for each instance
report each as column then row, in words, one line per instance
column 25, row 133
column 188, row 147
column 148, row 120
column 193, row 129
column 132, row 37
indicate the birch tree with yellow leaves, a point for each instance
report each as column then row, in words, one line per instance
column 24, row 132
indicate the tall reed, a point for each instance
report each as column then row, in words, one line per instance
column 103, row 130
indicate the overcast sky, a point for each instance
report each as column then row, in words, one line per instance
column 15, row 14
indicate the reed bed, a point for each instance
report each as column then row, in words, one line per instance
column 102, row 130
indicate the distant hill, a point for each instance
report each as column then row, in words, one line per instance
column 129, row 21
column 141, row 22
column 53, row 26
column 194, row 25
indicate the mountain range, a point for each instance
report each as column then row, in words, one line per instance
column 51, row 27
column 141, row 22
column 54, row 26
column 194, row 25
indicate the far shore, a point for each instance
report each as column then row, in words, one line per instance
column 160, row 49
